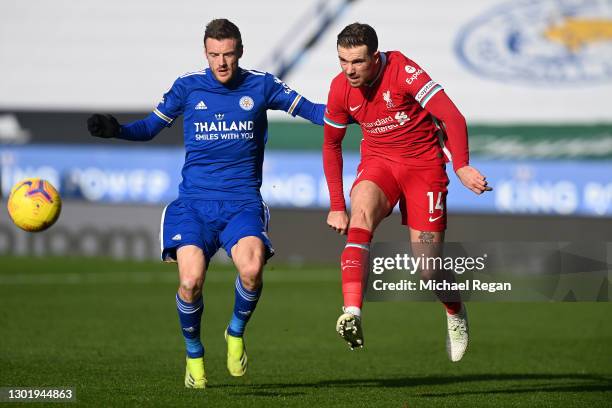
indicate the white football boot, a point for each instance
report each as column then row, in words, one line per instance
column 348, row 327
column 458, row 334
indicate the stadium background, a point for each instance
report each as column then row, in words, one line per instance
column 533, row 79
column 541, row 132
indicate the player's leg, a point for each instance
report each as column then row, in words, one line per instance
column 369, row 205
column 429, row 243
column 424, row 210
column 189, row 301
column 249, row 258
column 182, row 242
column 245, row 238
column 190, row 306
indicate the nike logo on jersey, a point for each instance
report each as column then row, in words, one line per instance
column 354, row 108
column 431, row 219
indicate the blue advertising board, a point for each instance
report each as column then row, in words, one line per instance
column 150, row 175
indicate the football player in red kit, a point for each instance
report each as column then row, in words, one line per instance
column 401, row 112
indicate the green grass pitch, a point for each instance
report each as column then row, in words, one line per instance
column 110, row 330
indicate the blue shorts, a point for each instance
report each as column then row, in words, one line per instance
column 210, row 225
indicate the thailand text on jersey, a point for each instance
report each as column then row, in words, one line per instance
column 390, row 111
column 225, row 130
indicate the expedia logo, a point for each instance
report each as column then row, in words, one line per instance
column 547, row 42
column 414, row 76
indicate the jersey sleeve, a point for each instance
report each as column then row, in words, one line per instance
column 172, row 103
column 417, row 83
column 335, row 112
column 279, row 96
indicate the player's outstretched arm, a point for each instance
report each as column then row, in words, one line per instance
column 107, row 126
column 441, row 107
column 313, row 112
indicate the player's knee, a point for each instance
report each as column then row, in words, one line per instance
column 361, row 218
column 251, row 276
column 190, row 289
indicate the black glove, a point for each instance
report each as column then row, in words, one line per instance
column 103, row 126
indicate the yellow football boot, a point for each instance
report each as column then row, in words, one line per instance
column 236, row 355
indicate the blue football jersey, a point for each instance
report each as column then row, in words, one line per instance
column 225, row 130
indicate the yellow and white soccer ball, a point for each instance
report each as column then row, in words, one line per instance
column 34, row 204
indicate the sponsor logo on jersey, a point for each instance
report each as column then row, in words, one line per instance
column 402, row 118
column 546, row 42
column 201, row 106
column 223, row 126
column 387, row 98
column 414, row 76
column 224, row 130
column 246, row 103
column 410, row 69
column 378, row 122
column 380, row 125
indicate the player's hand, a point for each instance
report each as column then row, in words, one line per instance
column 472, row 179
column 105, row 126
column 338, row 221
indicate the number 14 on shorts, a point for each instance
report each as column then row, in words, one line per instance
column 435, row 203
column 439, row 205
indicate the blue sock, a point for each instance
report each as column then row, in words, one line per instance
column 190, row 315
column 245, row 302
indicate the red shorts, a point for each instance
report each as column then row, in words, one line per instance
column 420, row 190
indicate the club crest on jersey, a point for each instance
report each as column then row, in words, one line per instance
column 387, row 97
column 219, row 116
column 246, row 103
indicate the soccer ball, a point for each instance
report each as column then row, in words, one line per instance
column 34, row 204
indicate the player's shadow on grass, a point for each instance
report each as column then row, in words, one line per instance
column 270, row 393
column 488, row 383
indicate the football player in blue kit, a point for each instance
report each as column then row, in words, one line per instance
column 219, row 204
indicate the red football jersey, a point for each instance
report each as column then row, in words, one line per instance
column 390, row 111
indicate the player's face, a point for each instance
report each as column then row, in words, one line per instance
column 357, row 64
column 222, row 56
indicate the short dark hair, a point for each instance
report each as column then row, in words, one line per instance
column 356, row 34
column 221, row 29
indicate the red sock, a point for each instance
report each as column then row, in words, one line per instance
column 354, row 263
column 452, row 307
